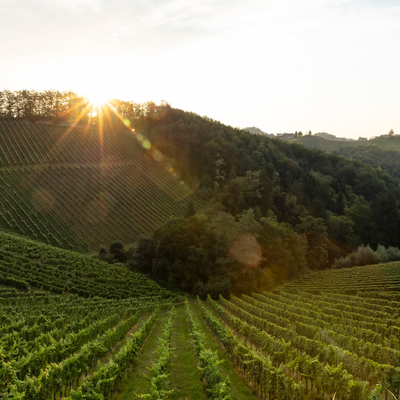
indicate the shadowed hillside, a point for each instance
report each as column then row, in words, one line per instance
column 79, row 188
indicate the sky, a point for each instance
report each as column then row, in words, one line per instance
column 280, row 65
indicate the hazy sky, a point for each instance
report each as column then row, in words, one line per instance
column 282, row 65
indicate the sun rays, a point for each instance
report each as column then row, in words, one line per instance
column 96, row 113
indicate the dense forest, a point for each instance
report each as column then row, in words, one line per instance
column 388, row 160
column 286, row 207
column 274, row 209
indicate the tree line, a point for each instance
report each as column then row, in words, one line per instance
column 68, row 105
column 42, row 104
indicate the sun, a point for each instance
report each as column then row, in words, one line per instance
column 97, row 97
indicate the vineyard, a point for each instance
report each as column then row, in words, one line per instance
column 77, row 190
column 74, row 327
column 27, row 264
column 314, row 338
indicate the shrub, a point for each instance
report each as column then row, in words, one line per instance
column 102, row 250
column 117, row 249
column 393, row 253
column 381, row 254
column 364, row 256
column 342, row 262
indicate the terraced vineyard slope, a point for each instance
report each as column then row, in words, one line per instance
column 27, row 265
column 307, row 340
column 79, row 188
column 336, row 331
column 382, row 279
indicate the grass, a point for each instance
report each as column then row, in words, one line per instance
column 184, row 375
column 135, row 381
column 239, row 388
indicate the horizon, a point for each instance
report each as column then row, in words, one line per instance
column 326, row 66
column 107, row 105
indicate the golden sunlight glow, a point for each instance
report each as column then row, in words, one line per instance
column 97, row 97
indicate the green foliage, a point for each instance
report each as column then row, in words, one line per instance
column 159, row 367
column 102, row 250
column 28, row 264
column 275, row 209
column 217, row 387
column 218, row 254
column 117, row 250
column 364, row 255
column 191, row 210
column 101, row 384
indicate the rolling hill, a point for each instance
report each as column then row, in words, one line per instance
column 76, row 327
column 82, row 187
column 319, row 143
column 332, row 332
column 29, row 265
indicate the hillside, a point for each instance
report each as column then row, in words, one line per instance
column 333, row 333
column 79, row 188
column 289, row 208
column 26, row 264
column 319, row 143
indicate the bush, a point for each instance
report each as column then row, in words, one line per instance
column 117, row 249
column 102, row 250
column 393, row 253
column 364, row 256
column 381, row 254
column 342, row 262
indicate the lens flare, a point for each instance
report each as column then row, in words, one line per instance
column 146, row 144
column 246, row 250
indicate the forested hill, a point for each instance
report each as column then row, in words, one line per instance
column 269, row 208
column 387, row 160
column 242, row 170
column 380, row 152
column 283, row 206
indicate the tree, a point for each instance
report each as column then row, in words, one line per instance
column 117, row 249
column 191, row 210
column 143, row 255
column 391, row 133
column 363, row 224
column 386, row 217
column 340, row 204
column 102, row 250
column 317, row 239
